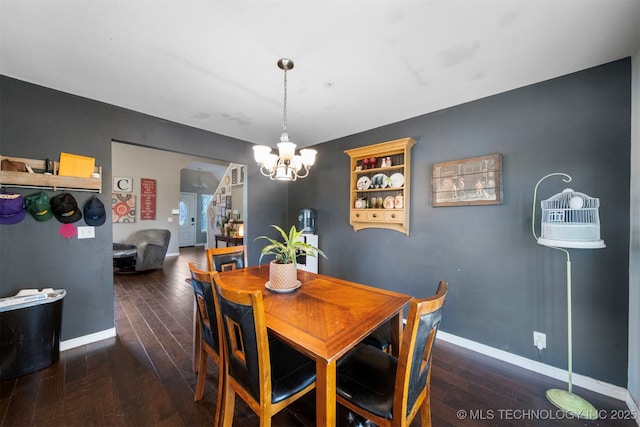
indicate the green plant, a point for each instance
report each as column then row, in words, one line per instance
column 287, row 251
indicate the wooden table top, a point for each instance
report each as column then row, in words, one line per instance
column 326, row 316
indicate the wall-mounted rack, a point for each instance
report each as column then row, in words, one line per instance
column 52, row 181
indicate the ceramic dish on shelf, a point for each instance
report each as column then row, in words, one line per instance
column 396, row 180
column 282, row 291
column 380, row 181
column 364, row 182
column 389, row 202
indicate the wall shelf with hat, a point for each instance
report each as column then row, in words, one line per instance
column 44, row 174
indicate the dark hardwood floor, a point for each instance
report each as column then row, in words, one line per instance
column 144, row 376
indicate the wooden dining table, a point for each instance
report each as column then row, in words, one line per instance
column 324, row 318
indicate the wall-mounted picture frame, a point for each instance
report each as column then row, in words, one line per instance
column 122, row 184
column 228, row 202
column 123, row 208
column 218, row 198
column 468, row 182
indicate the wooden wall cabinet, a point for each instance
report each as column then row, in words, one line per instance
column 380, row 189
column 41, row 180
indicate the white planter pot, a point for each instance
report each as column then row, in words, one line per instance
column 282, row 276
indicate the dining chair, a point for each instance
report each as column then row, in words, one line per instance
column 229, row 258
column 264, row 371
column 218, row 259
column 209, row 337
column 390, row 391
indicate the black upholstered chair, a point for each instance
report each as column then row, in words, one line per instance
column 390, row 391
column 265, row 372
column 380, row 338
column 210, row 343
column 229, row 258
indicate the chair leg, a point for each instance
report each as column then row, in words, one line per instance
column 220, row 399
column 202, row 375
column 425, row 412
column 265, row 420
column 229, row 403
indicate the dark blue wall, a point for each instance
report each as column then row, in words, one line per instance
column 37, row 122
column 502, row 284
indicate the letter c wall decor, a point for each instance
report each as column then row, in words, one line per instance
column 122, row 184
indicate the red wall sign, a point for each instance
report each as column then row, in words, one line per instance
column 147, row 198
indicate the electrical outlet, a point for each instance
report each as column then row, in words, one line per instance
column 539, row 340
column 86, row 232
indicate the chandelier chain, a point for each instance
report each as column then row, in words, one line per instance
column 284, row 115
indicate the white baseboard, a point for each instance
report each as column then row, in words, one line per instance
column 172, row 254
column 633, row 407
column 87, row 339
column 592, row 384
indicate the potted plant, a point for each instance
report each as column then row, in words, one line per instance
column 283, row 269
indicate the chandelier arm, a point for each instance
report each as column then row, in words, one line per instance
column 566, row 178
column 263, row 171
column 306, row 171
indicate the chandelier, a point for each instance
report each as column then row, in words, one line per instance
column 287, row 165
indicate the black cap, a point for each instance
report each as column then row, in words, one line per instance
column 65, row 208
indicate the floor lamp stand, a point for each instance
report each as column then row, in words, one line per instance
column 565, row 399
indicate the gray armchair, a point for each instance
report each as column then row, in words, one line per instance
column 151, row 247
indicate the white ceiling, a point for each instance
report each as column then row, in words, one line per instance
column 358, row 64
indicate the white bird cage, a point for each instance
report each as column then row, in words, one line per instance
column 571, row 220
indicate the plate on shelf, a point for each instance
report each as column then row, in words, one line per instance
column 396, row 180
column 282, row 291
column 389, row 202
column 363, row 183
column 380, row 181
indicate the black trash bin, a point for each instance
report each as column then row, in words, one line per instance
column 30, row 333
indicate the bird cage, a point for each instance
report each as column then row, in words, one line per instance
column 570, row 219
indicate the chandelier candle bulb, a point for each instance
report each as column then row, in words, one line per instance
column 286, row 150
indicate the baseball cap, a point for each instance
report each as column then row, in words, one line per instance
column 65, row 208
column 38, row 206
column 11, row 208
column 94, row 213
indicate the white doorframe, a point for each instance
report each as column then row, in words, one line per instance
column 187, row 219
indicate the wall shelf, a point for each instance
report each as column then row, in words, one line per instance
column 376, row 215
column 45, row 181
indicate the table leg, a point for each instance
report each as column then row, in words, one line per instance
column 396, row 333
column 325, row 393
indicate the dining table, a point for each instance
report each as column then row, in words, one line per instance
column 324, row 318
